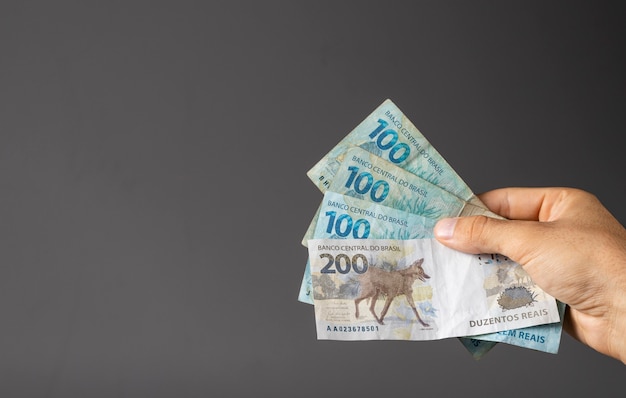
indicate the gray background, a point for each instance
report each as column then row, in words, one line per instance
column 153, row 188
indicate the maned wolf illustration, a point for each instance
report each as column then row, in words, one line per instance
column 391, row 284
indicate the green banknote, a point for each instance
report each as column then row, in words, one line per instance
column 414, row 289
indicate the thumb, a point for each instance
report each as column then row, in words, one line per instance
column 481, row 234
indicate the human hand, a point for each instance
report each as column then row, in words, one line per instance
column 568, row 243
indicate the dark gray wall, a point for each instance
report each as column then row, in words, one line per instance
column 153, row 190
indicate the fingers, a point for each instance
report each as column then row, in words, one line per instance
column 520, row 234
column 480, row 234
column 534, row 204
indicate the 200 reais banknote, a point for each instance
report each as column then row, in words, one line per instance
column 415, row 289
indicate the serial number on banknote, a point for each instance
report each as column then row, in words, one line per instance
column 352, row 329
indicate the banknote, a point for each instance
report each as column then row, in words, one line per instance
column 546, row 338
column 426, row 290
column 344, row 217
column 365, row 175
column 389, row 134
column 477, row 348
column 372, row 135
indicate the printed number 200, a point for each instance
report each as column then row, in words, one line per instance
column 343, row 263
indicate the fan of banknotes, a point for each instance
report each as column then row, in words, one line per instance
column 375, row 272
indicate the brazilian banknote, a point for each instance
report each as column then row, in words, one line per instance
column 414, row 289
column 546, row 338
column 388, row 132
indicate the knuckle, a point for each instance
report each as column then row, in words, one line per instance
column 478, row 230
column 577, row 199
column 575, row 194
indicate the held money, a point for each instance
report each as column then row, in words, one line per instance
column 365, row 176
column 396, row 187
column 389, row 134
column 343, row 216
column 430, row 292
column 542, row 338
column 546, row 338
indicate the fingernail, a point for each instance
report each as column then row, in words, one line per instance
column 445, row 228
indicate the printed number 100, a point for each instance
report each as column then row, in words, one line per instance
column 388, row 140
column 364, row 182
column 344, row 225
